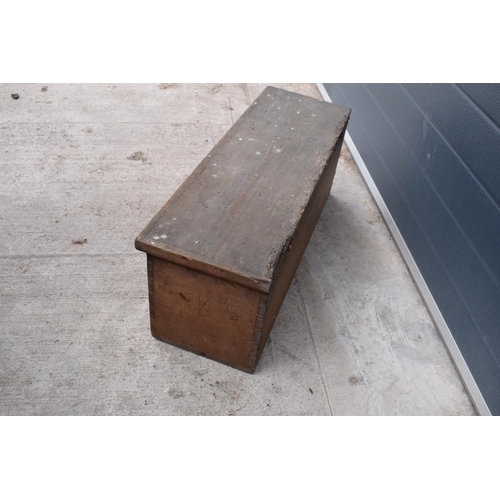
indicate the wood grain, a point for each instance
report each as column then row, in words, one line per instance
column 204, row 314
column 290, row 259
column 238, row 209
column 223, row 250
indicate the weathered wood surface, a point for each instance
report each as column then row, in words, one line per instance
column 223, row 250
column 290, row 260
column 236, row 213
column 204, row 314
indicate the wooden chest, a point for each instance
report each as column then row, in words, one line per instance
column 223, row 250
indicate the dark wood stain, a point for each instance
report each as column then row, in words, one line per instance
column 290, row 260
column 211, row 317
column 223, row 250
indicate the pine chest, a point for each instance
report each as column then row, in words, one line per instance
column 222, row 252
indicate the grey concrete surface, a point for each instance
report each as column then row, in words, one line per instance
column 93, row 163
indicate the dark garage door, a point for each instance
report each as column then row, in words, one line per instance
column 433, row 151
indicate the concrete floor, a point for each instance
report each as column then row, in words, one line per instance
column 93, row 163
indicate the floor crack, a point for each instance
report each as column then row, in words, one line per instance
column 230, row 109
column 325, row 387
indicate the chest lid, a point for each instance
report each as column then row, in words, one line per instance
column 234, row 215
